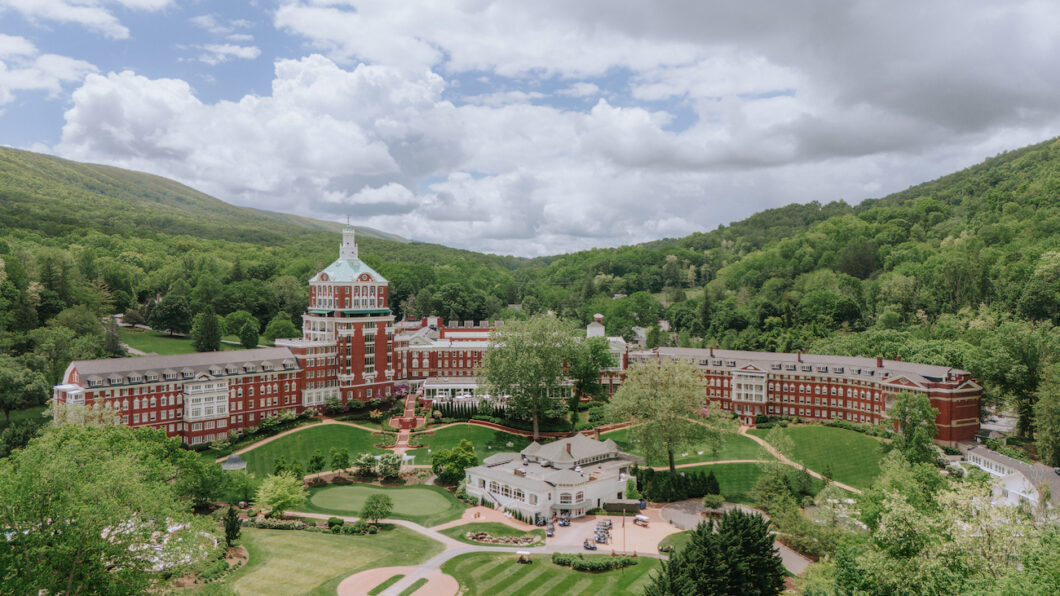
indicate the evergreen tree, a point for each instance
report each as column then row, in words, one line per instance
column 111, row 339
column 705, row 312
column 736, row 558
column 206, row 333
column 711, row 486
column 233, row 527
column 248, row 335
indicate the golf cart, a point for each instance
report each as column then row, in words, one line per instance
column 523, row 557
column 641, row 520
column 589, row 545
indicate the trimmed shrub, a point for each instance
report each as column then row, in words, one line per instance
column 592, row 564
column 279, row 524
column 335, row 521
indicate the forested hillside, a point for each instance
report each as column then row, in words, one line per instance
column 963, row 270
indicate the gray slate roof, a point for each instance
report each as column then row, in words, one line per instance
column 197, row 362
column 1034, row 473
column 765, row 360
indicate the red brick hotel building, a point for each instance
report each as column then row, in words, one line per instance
column 351, row 349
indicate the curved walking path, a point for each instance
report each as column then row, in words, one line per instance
column 323, row 422
column 686, row 515
column 360, row 583
column 780, row 456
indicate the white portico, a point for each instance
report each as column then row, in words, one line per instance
column 572, row 475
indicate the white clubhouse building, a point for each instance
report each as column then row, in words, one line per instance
column 572, row 475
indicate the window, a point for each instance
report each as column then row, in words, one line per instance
column 564, row 498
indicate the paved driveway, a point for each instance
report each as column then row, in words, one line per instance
column 686, row 515
column 634, row 539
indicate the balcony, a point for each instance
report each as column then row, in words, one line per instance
column 347, row 332
column 347, row 380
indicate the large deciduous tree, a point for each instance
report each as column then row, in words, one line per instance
column 449, row 464
column 20, row 387
column 916, row 427
column 525, row 362
column 171, row 314
column 281, row 326
column 377, row 507
column 663, row 399
column 1047, row 418
column 93, row 511
column 281, row 492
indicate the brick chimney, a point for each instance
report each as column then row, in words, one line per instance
column 568, row 448
column 711, row 351
column 899, row 358
column 798, row 356
column 879, row 362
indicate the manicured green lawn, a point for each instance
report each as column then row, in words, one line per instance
column 288, row 562
column 854, row 458
column 733, row 447
column 161, row 343
column 297, row 447
column 678, row 540
column 393, row 579
column 494, row 529
column 35, row 413
column 499, row 575
column 486, row 441
column 425, row 505
column 735, row 480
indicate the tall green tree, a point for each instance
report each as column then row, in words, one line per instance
column 587, row 359
column 735, row 557
column 916, row 427
column 340, row 458
column 90, row 511
column 281, row 492
column 449, row 464
column 112, row 339
column 1047, row 418
column 233, row 526
column 281, row 326
column 376, row 507
column 525, row 361
column 664, row 401
column 206, row 333
column 20, row 387
column 248, row 336
column 171, row 314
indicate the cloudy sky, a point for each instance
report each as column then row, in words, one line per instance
column 530, row 127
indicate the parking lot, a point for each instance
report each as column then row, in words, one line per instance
column 633, row 538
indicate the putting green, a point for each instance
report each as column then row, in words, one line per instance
column 413, row 502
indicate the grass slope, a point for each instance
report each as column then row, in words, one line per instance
column 499, row 575
column 494, row 529
column 161, row 343
column 487, row 441
column 425, row 505
column 35, row 413
column 57, row 196
column 286, row 562
column 853, row 458
column 297, row 447
column 734, row 447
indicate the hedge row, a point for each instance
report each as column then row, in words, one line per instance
column 582, row 563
